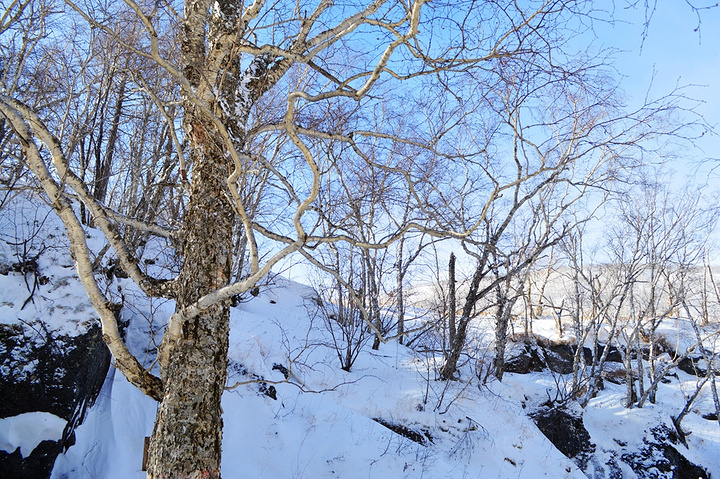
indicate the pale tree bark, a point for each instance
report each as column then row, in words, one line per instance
column 196, row 371
column 233, row 62
column 20, row 117
column 400, row 276
column 187, row 438
column 506, row 299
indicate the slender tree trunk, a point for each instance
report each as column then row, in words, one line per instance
column 502, row 318
column 677, row 420
column 630, row 396
column 400, row 308
column 579, row 357
column 640, row 365
column 372, row 292
column 451, row 298
column 400, row 296
column 103, row 168
column 448, row 369
column 558, row 319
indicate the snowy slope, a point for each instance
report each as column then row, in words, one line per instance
column 389, row 417
column 324, row 421
column 32, row 240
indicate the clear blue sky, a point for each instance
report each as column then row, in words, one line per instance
column 676, row 54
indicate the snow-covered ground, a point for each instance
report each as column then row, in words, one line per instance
column 326, row 422
column 389, row 417
column 27, row 430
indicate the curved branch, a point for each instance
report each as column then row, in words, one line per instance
column 128, row 365
column 149, row 285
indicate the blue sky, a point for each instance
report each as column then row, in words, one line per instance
column 676, row 54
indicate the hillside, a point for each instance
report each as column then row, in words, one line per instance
column 291, row 411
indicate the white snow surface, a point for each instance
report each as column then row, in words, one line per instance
column 324, row 422
column 29, row 229
column 28, row 430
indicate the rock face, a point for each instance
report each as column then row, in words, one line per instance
column 657, row 458
column 565, row 429
column 527, row 357
column 40, row 372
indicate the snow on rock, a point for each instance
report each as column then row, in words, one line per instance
column 26, row 431
column 37, row 274
column 321, row 421
column 326, row 422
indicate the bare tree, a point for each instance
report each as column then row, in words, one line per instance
column 556, row 157
column 286, row 98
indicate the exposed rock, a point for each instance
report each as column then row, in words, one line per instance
column 524, row 361
column 690, row 365
column 61, row 375
column 38, row 464
column 419, row 437
column 565, row 429
column 544, row 354
column 236, row 369
column 659, row 459
column 279, row 367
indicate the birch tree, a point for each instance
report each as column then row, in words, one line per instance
column 286, row 97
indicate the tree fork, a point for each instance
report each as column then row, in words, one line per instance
column 187, row 437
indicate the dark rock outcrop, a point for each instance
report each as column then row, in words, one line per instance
column 421, row 437
column 657, row 458
column 691, row 365
column 526, row 360
column 557, row 357
column 565, row 429
column 61, row 375
column 660, row 459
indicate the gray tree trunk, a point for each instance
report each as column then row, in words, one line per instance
column 187, row 438
column 451, row 298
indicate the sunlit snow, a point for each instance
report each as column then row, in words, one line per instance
column 26, row 431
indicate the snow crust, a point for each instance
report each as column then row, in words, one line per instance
column 30, row 230
column 322, row 423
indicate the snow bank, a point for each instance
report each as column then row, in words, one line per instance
column 28, row 430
